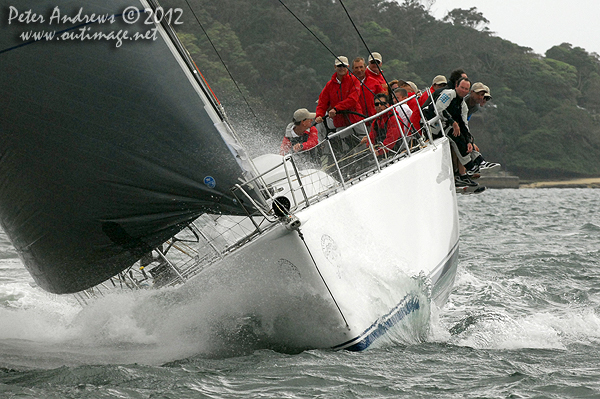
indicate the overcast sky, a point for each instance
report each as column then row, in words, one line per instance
column 538, row 24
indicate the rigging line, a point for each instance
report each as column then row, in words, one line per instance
column 221, row 59
column 308, row 29
column 322, row 278
column 324, row 45
column 365, row 43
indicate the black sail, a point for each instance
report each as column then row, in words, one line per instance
column 105, row 151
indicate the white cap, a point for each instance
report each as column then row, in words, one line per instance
column 375, row 56
column 340, row 59
column 477, row 87
column 302, row 114
column 439, row 80
column 413, row 86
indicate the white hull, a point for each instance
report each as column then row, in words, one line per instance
column 370, row 256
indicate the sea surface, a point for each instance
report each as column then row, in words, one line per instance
column 523, row 321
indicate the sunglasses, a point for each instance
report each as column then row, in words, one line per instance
column 380, row 103
column 340, row 66
column 374, row 62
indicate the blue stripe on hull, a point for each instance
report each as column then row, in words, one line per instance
column 407, row 305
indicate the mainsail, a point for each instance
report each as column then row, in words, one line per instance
column 105, row 152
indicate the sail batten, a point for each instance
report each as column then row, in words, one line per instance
column 105, row 152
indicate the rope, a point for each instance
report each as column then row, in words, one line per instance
column 221, row 59
column 308, row 29
column 324, row 45
column 365, row 43
column 322, row 278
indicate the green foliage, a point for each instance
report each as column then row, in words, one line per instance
column 471, row 18
column 589, row 93
column 566, row 144
column 586, row 69
column 544, row 119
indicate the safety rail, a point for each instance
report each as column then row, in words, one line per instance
column 205, row 241
column 340, row 159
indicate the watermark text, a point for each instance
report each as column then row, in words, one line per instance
column 56, row 25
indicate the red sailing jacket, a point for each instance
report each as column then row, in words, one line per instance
column 425, row 96
column 415, row 118
column 379, row 78
column 308, row 138
column 343, row 97
column 385, row 126
column 368, row 88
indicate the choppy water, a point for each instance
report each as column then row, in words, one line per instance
column 522, row 322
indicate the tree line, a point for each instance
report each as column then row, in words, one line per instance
column 265, row 61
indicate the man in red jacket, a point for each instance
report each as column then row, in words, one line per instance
column 300, row 135
column 385, row 130
column 368, row 86
column 374, row 70
column 339, row 97
column 339, row 100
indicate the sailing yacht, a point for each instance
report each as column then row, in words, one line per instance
column 118, row 167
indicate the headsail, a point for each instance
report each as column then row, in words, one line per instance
column 105, row 152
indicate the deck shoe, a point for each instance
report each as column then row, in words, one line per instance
column 488, row 166
column 473, row 169
column 464, row 181
column 472, row 166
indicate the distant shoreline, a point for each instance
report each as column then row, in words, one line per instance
column 592, row 182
